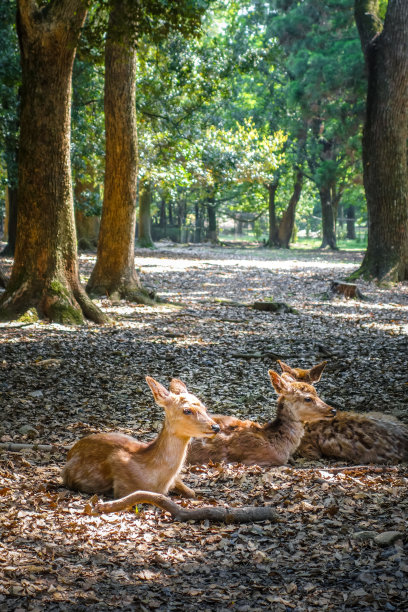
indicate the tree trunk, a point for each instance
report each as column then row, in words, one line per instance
column 288, row 219
column 385, row 139
column 12, row 205
column 144, row 238
column 351, row 223
column 114, row 273
column 328, row 218
column 212, row 221
column 198, row 222
column 45, row 271
column 273, row 226
column 163, row 216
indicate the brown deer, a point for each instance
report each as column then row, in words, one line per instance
column 103, row 462
column 269, row 444
column 309, row 376
column 359, row 438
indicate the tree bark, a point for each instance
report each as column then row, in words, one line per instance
column 144, row 238
column 247, row 514
column 114, row 273
column 212, row 221
column 12, row 203
column 288, row 219
column 328, row 218
column 385, row 139
column 273, row 226
column 351, row 222
column 45, row 271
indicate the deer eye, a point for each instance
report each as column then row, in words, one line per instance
column 187, row 411
column 308, row 399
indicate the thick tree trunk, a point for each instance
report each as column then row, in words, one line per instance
column 114, row 273
column 351, row 222
column 288, row 219
column 385, row 139
column 45, row 270
column 144, row 238
column 328, row 218
column 12, row 205
column 273, row 226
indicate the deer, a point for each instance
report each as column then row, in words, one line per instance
column 271, row 444
column 373, row 437
column 104, row 462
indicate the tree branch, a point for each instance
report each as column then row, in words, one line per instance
column 246, row 514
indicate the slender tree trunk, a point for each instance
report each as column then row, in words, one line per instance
column 198, row 222
column 144, row 238
column 163, row 216
column 12, row 203
column 273, row 225
column 114, row 273
column 212, row 221
column 45, row 271
column 170, row 213
column 351, row 223
column 288, row 219
column 328, row 218
column 385, row 139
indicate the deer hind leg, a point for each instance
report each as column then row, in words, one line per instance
column 183, row 488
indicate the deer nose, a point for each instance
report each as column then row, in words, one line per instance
column 333, row 411
column 215, row 428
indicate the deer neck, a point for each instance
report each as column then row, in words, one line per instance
column 167, row 452
column 287, row 420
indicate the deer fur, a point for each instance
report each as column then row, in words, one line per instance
column 270, row 444
column 359, row 438
column 103, row 462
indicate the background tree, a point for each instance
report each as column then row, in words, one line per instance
column 10, row 80
column 385, row 46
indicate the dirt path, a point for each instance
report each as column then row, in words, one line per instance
column 328, row 550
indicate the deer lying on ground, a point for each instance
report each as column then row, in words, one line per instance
column 269, row 444
column 103, row 462
column 359, row 438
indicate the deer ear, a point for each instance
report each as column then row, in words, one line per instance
column 315, row 373
column 284, row 367
column 160, row 393
column 279, row 383
column 177, row 387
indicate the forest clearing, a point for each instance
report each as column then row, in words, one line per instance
column 338, row 540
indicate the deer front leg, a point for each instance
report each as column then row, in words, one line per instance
column 183, row 488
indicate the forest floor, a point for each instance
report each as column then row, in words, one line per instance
column 340, row 538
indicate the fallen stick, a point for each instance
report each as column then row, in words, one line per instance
column 246, row 514
column 346, row 468
column 14, row 446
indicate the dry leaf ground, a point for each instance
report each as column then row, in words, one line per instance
column 340, row 541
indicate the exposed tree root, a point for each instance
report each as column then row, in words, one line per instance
column 57, row 302
column 246, row 514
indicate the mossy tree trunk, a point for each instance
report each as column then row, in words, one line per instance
column 114, row 273
column 45, row 271
column 385, row 138
column 144, row 238
column 288, row 218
